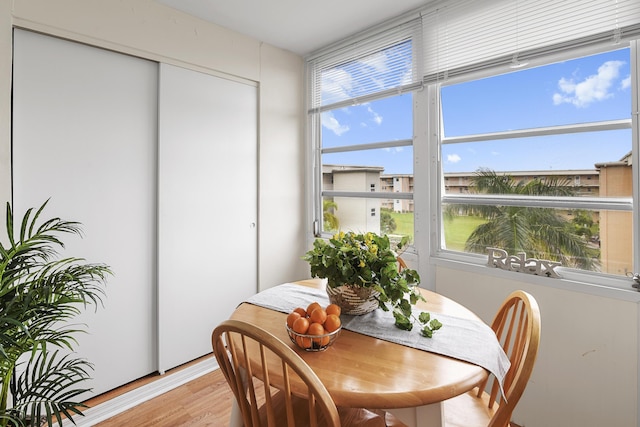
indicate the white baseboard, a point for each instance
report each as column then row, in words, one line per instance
column 119, row 404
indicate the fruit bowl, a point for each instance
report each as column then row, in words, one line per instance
column 313, row 342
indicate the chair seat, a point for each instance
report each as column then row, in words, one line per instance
column 468, row 410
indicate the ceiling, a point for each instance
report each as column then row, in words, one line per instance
column 300, row 26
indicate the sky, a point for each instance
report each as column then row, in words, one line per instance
column 593, row 88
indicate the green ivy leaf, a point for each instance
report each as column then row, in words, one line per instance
column 424, row 317
column 402, row 322
column 414, row 297
column 427, row 332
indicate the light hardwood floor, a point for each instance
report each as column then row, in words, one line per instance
column 205, row 401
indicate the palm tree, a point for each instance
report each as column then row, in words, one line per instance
column 540, row 232
column 330, row 220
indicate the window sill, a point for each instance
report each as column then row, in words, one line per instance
column 588, row 283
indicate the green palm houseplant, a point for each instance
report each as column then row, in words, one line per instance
column 40, row 294
column 365, row 266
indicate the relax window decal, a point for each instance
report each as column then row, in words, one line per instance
column 499, row 258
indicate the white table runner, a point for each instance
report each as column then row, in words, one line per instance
column 464, row 339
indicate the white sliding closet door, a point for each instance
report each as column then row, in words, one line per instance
column 84, row 135
column 207, row 258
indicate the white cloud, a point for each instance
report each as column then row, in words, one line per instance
column 377, row 118
column 377, row 61
column 596, row 87
column 453, row 158
column 337, row 85
column 331, row 123
column 394, row 149
column 625, row 83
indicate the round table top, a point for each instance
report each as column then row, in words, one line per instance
column 362, row 371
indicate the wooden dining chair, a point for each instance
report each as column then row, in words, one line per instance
column 264, row 390
column 517, row 326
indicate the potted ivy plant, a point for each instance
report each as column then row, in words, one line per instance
column 39, row 295
column 366, row 267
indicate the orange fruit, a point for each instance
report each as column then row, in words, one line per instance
column 318, row 316
column 332, row 323
column 301, row 325
column 325, row 340
column 333, row 309
column 301, row 311
column 318, row 329
column 312, row 307
column 304, row 342
column 292, row 317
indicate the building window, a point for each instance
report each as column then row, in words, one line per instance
column 373, row 187
column 582, row 122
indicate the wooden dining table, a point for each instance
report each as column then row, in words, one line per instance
column 360, row 371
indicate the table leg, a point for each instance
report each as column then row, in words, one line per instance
column 421, row 416
column 236, row 415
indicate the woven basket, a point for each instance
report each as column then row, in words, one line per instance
column 353, row 300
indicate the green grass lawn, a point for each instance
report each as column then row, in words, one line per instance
column 404, row 223
column 456, row 230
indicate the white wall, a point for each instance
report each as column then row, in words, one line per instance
column 149, row 30
column 281, row 187
column 586, row 373
column 5, row 102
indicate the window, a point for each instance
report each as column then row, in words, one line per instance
column 518, row 116
column 357, row 162
column 361, row 115
column 520, row 138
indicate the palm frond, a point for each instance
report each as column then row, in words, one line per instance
column 48, row 387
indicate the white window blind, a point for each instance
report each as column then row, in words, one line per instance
column 466, row 35
column 368, row 67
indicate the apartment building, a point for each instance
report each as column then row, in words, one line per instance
column 584, row 182
column 616, row 181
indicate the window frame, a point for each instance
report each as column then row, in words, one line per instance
column 434, row 142
column 428, row 188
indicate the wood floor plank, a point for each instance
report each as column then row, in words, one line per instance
column 205, row 401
